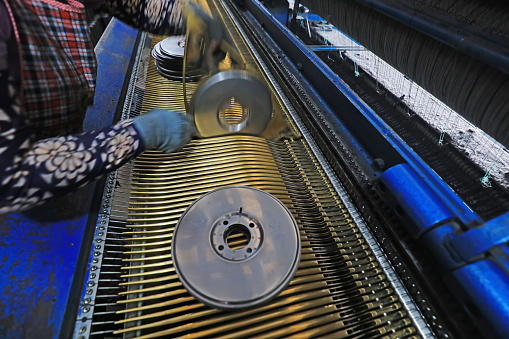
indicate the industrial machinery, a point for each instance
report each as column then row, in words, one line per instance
column 400, row 233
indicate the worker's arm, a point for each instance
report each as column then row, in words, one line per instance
column 164, row 17
column 32, row 173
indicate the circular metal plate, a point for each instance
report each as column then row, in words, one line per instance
column 172, row 75
column 225, row 276
column 231, row 101
column 174, row 46
column 168, row 56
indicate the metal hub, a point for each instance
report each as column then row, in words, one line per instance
column 236, row 247
column 231, row 101
column 236, row 223
column 174, row 46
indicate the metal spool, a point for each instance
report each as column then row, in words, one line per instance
column 169, row 59
column 174, row 46
column 236, row 247
column 233, row 101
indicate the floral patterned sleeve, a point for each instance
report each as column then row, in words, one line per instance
column 31, row 173
column 163, row 17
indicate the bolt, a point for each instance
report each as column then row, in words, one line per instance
column 93, row 275
column 378, row 164
column 86, row 309
column 83, row 330
column 95, row 260
column 90, row 284
column 87, row 300
column 89, row 292
column 93, row 268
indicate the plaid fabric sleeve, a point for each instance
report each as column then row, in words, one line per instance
column 32, row 173
column 163, row 17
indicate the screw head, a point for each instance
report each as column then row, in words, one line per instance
column 378, row 164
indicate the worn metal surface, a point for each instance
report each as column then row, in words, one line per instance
column 113, row 52
column 38, row 259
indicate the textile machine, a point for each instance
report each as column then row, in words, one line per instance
column 401, row 233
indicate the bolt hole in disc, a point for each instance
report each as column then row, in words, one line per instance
column 236, row 247
column 233, row 101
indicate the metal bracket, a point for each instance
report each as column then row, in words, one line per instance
column 472, row 243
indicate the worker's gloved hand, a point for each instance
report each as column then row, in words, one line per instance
column 164, row 129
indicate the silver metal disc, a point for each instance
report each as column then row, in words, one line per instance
column 174, row 46
column 221, row 275
column 230, row 102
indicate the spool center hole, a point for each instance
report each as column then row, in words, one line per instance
column 237, row 236
column 232, row 115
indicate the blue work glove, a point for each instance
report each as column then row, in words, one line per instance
column 164, row 129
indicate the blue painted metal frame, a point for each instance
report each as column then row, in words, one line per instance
column 44, row 253
column 477, row 260
column 37, row 269
column 113, row 52
column 471, row 244
column 443, row 191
